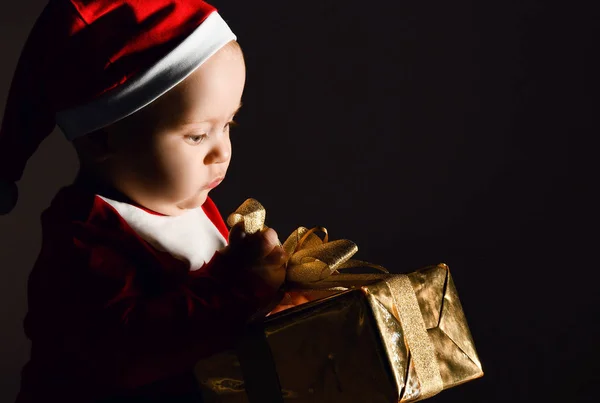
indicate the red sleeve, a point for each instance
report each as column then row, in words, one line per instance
column 125, row 314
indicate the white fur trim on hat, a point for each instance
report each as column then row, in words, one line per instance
column 133, row 95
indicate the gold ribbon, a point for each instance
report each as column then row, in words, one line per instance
column 251, row 213
column 310, row 258
column 416, row 336
column 311, row 263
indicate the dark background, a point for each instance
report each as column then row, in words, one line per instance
column 426, row 132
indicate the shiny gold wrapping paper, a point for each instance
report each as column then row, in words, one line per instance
column 356, row 345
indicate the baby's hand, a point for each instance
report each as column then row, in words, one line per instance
column 290, row 300
column 260, row 253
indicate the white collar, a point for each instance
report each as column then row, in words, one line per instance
column 189, row 237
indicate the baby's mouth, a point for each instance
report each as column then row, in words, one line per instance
column 215, row 183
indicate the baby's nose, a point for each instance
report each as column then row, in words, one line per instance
column 220, row 152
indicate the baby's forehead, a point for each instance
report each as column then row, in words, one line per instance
column 183, row 105
column 208, row 94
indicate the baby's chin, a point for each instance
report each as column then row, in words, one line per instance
column 193, row 202
column 177, row 208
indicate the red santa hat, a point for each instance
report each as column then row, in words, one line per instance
column 89, row 63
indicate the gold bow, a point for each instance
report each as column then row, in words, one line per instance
column 310, row 258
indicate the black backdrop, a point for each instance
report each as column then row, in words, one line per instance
column 424, row 131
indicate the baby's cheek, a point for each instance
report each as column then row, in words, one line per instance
column 190, row 180
column 178, row 172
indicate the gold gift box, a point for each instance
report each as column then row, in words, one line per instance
column 362, row 344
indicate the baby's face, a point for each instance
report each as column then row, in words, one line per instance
column 177, row 148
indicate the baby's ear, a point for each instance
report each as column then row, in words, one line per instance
column 95, row 147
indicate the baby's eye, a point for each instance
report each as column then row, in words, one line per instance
column 195, row 139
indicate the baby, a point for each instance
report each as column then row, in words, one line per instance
column 138, row 276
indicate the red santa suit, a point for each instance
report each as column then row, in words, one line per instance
column 123, row 300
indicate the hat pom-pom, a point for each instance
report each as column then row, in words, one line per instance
column 9, row 193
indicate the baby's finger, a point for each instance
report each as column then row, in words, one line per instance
column 237, row 234
column 277, row 257
column 243, row 247
column 270, row 240
column 272, row 275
